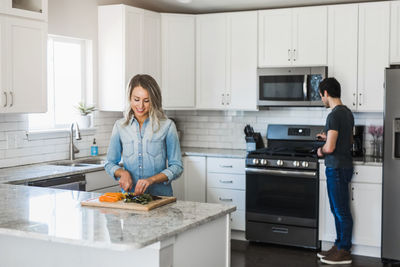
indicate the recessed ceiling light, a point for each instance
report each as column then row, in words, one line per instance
column 184, row 1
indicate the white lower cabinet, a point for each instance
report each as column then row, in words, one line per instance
column 101, row 182
column 226, row 184
column 195, row 178
column 366, row 206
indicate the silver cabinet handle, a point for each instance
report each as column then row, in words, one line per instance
column 223, row 98
column 354, row 99
column 5, row 94
column 280, row 230
column 226, row 181
column 226, row 166
column 294, row 55
column 228, row 99
column 225, row 199
column 12, row 99
column 288, row 55
column 359, row 99
column 352, row 193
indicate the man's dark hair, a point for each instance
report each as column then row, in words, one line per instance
column 331, row 85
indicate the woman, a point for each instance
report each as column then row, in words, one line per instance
column 146, row 139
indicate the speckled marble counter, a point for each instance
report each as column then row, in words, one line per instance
column 214, row 152
column 367, row 160
column 57, row 216
column 44, row 170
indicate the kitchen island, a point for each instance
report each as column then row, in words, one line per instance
column 48, row 227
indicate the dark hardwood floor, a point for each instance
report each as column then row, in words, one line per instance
column 250, row 254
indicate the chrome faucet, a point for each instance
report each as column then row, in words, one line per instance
column 72, row 148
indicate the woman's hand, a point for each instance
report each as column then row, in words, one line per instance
column 125, row 180
column 142, row 185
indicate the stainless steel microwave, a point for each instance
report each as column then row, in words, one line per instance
column 292, row 87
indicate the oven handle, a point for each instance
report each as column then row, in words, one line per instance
column 283, row 172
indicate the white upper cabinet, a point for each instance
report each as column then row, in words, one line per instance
column 226, row 60
column 129, row 44
column 211, row 61
column 343, row 50
column 23, row 65
column 292, row 37
column 32, row 9
column 178, row 60
column 395, row 32
column 373, row 54
column 242, row 82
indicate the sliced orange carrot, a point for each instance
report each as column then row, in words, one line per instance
column 104, row 198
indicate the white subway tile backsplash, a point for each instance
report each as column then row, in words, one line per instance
column 199, row 128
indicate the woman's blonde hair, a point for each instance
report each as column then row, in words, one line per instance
column 156, row 112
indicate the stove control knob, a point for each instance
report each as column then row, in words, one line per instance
column 264, row 162
column 279, row 162
column 296, row 163
column 304, row 164
column 255, row 161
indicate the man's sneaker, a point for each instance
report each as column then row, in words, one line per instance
column 340, row 256
column 325, row 253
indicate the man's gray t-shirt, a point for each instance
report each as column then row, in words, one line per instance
column 340, row 119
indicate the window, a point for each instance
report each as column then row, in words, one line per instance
column 67, row 82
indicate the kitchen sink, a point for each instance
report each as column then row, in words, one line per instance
column 92, row 161
column 72, row 164
column 81, row 162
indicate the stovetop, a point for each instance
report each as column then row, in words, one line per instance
column 298, row 152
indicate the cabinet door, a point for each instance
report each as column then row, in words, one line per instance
column 26, row 68
column 275, row 37
column 195, row 178
column 395, row 32
column 211, row 60
column 152, row 45
column 133, row 36
column 310, row 36
column 373, row 55
column 242, row 47
column 111, row 56
column 327, row 231
column 366, row 209
column 98, row 180
column 178, row 60
column 3, row 85
column 343, row 49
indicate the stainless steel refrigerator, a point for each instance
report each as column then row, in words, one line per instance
column 391, row 167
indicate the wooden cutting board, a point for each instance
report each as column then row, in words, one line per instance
column 94, row 202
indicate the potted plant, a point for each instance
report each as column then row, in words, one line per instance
column 84, row 111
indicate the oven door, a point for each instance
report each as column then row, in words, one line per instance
column 282, row 196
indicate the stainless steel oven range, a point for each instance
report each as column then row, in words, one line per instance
column 282, row 187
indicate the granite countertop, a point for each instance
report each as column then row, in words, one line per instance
column 367, row 160
column 31, row 172
column 214, row 152
column 56, row 215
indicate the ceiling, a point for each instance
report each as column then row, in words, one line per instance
column 210, row 6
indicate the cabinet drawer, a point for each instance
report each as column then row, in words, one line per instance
column 362, row 174
column 367, row 174
column 224, row 180
column 227, row 196
column 238, row 220
column 226, row 165
column 98, row 180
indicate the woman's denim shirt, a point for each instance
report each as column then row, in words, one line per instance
column 145, row 153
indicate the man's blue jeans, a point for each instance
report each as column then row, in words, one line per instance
column 337, row 180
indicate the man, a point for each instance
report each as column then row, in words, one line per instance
column 339, row 169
